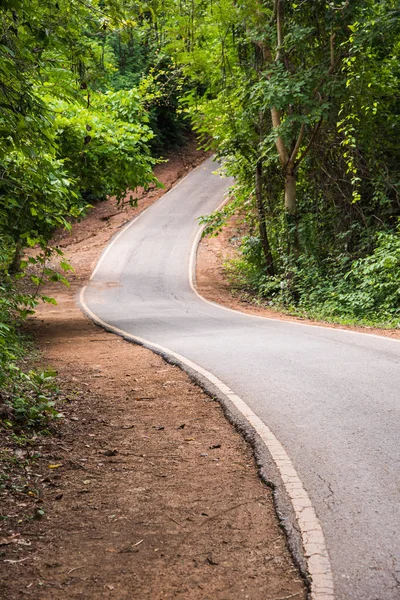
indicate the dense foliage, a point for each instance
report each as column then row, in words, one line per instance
column 80, row 95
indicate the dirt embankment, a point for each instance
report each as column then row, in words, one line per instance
column 211, row 282
column 147, row 492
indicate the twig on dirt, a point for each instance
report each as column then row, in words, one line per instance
column 74, row 569
column 219, row 514
column 137, row 543
column 234, row 507
column 53, row 584
column 174, row 520
column 279, row 538
column 286, row 597
column 13, row 562
column 64, row 448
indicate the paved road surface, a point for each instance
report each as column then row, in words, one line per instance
column 331, row 397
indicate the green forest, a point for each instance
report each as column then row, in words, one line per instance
column 300, row 101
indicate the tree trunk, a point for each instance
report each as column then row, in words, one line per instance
column 14, row 266
column 290, row 191
column 269, row 264
column 291, row 211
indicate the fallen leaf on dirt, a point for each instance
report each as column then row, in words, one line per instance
column 87, row 481
column 110, row 587
column 57, row 466
column 189, row 439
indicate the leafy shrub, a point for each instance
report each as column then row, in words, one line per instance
column 31, row 397
column 374, row 281
column 27, row 397
column 366, row 290
column 105, row 148
column 36, row 197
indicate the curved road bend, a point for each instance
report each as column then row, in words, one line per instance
column 331, row 397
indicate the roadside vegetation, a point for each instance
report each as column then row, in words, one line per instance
column 300, row 100
column 87, row 107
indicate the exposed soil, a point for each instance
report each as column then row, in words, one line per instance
column 146, row 491
column 212, row 283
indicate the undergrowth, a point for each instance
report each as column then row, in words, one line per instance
column 27, row 396
column 364, row 292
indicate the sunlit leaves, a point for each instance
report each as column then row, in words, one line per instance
column 63, row 140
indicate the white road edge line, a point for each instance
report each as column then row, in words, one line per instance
column 315, row 550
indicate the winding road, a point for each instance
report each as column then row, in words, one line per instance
column 331, row 397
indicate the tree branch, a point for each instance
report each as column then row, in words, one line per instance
column 279, row 24
column 297, row 145
column 332, row 50
column 280, row 144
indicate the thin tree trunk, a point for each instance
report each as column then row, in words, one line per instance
column 269, row 263
column 290, row 191
column 291, row 211
column 14, row 266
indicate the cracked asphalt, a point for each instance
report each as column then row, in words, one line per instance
column 331, row 397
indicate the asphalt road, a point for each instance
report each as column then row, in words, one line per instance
column 331, row 397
